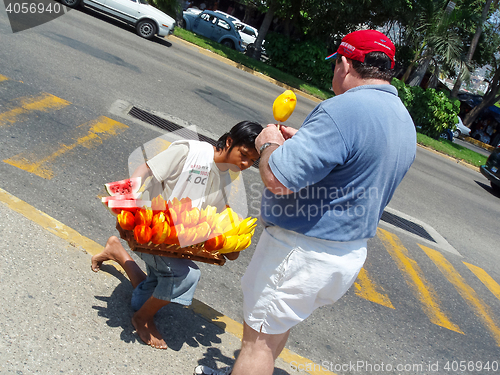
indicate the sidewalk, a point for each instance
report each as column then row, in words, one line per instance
column 63, row 318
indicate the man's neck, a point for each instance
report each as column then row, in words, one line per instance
column 371, row 81
column 363, row 82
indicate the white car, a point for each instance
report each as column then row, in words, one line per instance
column 461, row 129
column 193, row 10
column 248, row 33
column 147, row 20
column 232, row 18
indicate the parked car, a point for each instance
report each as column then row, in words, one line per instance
column 215, row 26
column 491, row 170
column 147, row 20
column 447, row 134
column 232, row 18
column 248, row 33
column 461, row 129
column 193, row 10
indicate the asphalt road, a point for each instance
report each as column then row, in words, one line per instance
column 472, row 147
column 417, row 303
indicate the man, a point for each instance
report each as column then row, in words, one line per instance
column 327, row 185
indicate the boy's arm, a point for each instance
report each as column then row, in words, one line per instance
column 232, row 256
column 143, row 171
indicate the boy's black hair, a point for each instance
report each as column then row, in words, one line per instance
column 243, row 133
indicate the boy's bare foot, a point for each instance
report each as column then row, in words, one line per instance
column 110, row 252
column 148, row 332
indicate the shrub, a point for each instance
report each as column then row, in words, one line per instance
column 432, row 111
column 304, row 60
column 277, row 48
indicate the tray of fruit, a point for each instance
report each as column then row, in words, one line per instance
column 175, row 228
column 194, row 252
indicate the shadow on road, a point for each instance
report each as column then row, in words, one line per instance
column 177, row 324
column 162, row 41
column 93, row 51
column 488, row 188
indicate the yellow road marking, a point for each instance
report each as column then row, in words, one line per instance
column 3, row 78
column 49, row 223
column 486, row 279
column 43, row 102
column 367, row 289
column 415, row 279
column 62, row 231
column 481, row 309
column 100, row 129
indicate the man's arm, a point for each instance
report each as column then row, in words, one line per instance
column 272, row 135
column 267, row 176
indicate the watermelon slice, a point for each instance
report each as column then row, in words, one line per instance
column 117, row 205
column 128, row 186
column 105, row 200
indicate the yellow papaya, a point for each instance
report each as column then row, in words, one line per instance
column 284, row 105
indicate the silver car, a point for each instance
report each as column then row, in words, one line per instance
column 147, row 20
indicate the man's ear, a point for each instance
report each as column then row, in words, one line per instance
column 346, row 65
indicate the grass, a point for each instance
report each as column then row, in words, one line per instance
column 258, row 66
column 441, row 145
column 452, row 149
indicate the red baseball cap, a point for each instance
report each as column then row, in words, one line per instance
column 358, row 43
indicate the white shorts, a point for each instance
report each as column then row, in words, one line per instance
column 290, row 275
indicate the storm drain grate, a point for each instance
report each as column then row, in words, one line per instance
column 172, row 127
column 168, row 125
column 406, row 225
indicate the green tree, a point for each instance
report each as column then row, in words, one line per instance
column 491, row 46
column 465, row 72
column 172, row 7
column 327, row 20
column 256, row 50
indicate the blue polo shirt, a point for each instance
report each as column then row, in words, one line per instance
column 343, row 165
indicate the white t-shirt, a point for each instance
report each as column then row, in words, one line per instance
column 167, row 167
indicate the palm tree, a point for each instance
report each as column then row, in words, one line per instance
column 492, row 95
column 438, row 41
